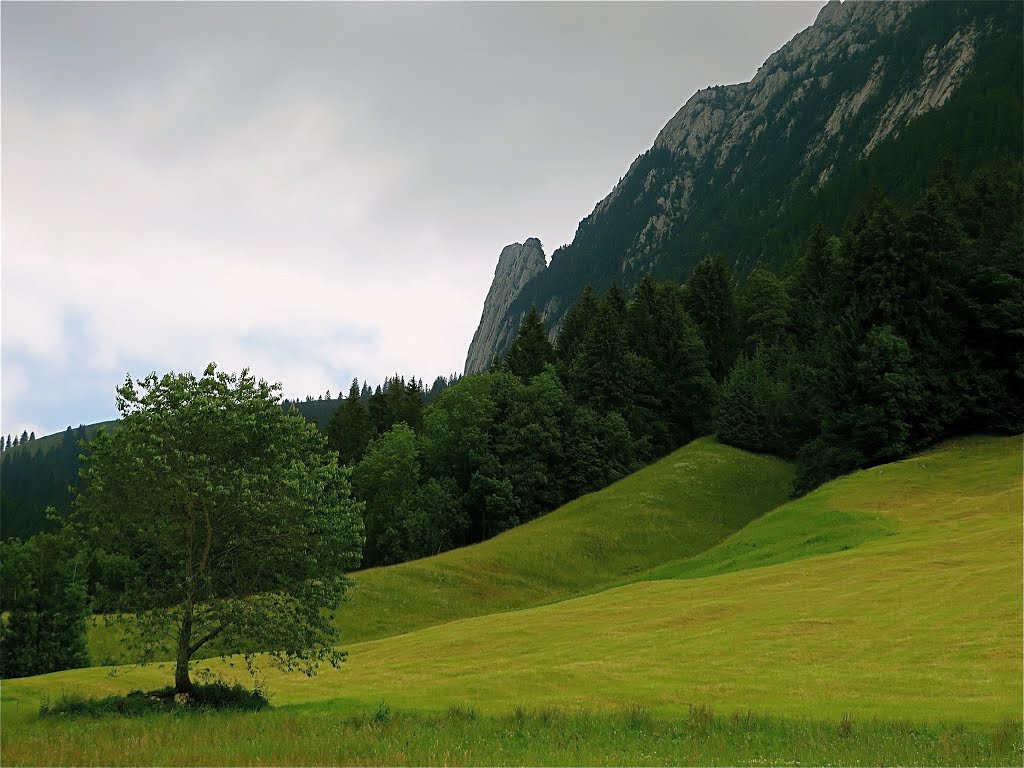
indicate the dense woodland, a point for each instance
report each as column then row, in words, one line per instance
column 896, row 332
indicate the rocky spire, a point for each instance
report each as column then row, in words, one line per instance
column 517, row 265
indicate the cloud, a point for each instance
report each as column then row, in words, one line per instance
column 316, row 191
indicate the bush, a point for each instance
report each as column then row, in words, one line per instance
column 216, row 696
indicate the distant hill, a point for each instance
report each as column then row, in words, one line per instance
column 873, row 94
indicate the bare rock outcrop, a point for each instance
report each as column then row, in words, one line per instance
column 517, row 265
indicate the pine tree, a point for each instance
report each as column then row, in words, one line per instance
column 764, row 309
column 531, row 350
column 349, row 431
column 575, row 328
column 602, row 372
column 710, row 300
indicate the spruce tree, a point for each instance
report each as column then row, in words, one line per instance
column 531, row 350
column 710, row 300
column 575, row 328
column 349, row 430
column 602, row 373
column 764, row 309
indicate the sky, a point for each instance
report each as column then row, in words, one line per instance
column 315, row 191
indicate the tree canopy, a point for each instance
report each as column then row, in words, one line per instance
column 234, row 517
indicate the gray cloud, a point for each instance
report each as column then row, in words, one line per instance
column 318, row 190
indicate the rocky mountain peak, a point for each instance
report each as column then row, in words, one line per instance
column 518, row 263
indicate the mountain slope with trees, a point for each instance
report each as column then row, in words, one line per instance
column 873, row 94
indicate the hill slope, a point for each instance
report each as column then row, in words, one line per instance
column 921, row 623
column 675, row 508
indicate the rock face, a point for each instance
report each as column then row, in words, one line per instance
column 724, row 169
column 517, row 265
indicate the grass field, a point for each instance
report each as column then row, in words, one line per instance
column 893, row 594
column 321, row 736
column 683, row 504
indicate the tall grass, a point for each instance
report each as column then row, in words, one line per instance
column 523, row 737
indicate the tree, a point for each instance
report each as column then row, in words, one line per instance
column 575, row 328
column 764, row 311
column 349, row 430
column 235, row 517
column 531, row 350
column 42, row 591
column 711, row 303
column 603, row 369
column 386, row 479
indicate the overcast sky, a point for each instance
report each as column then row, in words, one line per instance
column 316, row 191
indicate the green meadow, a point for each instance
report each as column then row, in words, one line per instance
column 883, row 609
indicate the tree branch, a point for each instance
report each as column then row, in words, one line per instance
column 205, row 639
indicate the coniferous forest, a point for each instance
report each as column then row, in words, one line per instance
column 881, row 339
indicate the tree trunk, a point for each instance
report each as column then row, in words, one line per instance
column 182, row 682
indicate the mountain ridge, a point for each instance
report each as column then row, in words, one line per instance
column 735, row 166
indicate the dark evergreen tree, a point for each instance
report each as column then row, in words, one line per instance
column 673, row 394
column 602, row 373
column 575, row 328
column 532, row 350
column 710, row 300
column 765, row 311
column 349, row 430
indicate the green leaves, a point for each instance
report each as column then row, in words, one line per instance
column 235, row 516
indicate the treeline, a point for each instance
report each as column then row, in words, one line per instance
column 622, row 385
column 899, row 331
column 902, row 330
column 37, row 475
column 34, row 479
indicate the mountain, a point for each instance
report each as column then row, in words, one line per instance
column 872, row 94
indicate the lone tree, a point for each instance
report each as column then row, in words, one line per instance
column 233, row 516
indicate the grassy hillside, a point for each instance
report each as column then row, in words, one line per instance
column 919, row 619
column 673, row 509
column 676, row 508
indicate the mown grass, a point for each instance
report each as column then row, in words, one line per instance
column 677, row 507
column 921, row 623
column 461, row 736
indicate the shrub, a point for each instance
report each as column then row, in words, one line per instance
column 218, row 695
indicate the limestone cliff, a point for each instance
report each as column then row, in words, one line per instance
column 517, row 265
